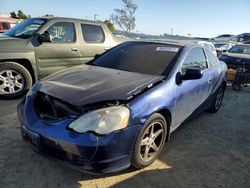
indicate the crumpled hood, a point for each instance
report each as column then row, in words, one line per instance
column 87, row 84
column 11, row 44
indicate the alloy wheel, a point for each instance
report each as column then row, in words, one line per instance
column 219, row 98
column 11, row 81
column 151, row 142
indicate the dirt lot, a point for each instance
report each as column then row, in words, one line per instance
column 207, row 151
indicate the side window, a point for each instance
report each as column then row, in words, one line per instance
column 194, row 59
column 206, row 45
column 63, row 32
column 211, row 58
column 212, row 48
column 92, row 33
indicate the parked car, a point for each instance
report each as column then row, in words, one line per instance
column 224, row 38
column 38, row 47
column 208, row 45
column 4, row 26
column 244, row 38
column 223, row 47
column 237, row 57
column 120, row 108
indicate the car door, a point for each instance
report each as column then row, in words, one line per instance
column 190, row 94
column 94, row 41
column 62, row 52
column 214, row 70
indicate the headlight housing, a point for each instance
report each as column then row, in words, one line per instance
column 102, row 121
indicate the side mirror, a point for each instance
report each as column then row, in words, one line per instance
column 45, row 37
column 192, row 74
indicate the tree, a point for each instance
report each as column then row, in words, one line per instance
column 13, row 15
column 110, row 25
column 125, row 18
column 21, row 15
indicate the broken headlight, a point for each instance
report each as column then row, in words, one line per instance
column 102, row 121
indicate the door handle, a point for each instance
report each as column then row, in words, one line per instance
column 210, row 81
column 74, row 49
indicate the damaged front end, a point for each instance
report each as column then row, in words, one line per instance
column 51, row 108
column 50, row 117
column 88, row 129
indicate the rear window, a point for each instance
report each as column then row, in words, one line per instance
column 141, row 57
column 92, row 33
column 212, row 59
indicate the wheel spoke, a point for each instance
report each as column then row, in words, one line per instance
column 154, row 147
column 19, row 85
column 144, row 141
column 9, row 73
column 145, row 156
column 2, row 86
column 18, row 77
column 157, row 133
column 12, row 89
column 2, row 78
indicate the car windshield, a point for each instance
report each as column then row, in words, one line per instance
column 240, row 49
column 26, row 28
column 141, row 57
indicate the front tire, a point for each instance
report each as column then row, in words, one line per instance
column 150, row 141
column 15, row 80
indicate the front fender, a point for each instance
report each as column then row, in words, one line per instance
column 19, row 56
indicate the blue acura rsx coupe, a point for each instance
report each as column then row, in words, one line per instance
column 119, row 109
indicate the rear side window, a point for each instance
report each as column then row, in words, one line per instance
column 212, row 48
column 206, row 45
column 5, row 26
column 212, row 59
column 92, row 33
column 63, row 32
column 194, row 59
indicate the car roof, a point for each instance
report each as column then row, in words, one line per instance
column 179, row 43
column 70, row 19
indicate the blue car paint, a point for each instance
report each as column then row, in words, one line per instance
column 104, row 154
column 101, row 154
column 180, row 100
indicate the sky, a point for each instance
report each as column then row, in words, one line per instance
column 200, row 18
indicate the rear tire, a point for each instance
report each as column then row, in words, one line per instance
column 216, row 103
column 15, row 80
column 150, row 141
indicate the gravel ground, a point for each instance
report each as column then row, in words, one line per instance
column 207, row 151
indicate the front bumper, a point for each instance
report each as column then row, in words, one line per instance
column 86, row 152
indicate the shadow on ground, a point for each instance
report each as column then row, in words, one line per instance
column 207, row 151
